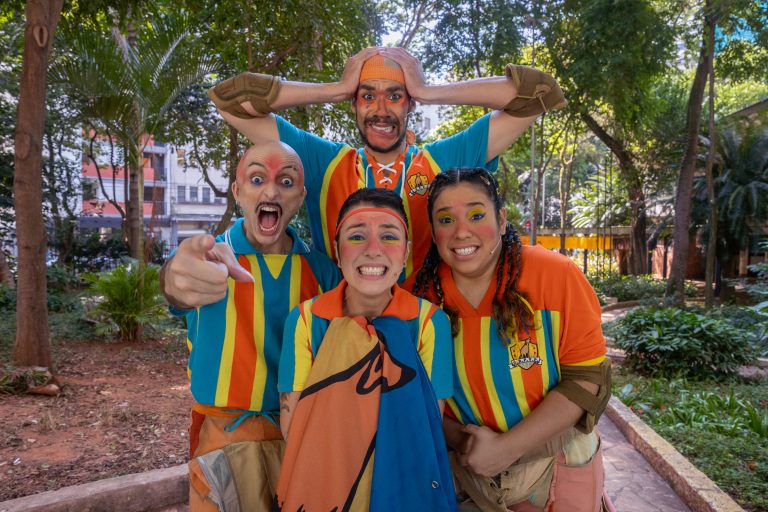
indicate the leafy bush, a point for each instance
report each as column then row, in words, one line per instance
column 675, row 342
column 751, row 319
column 7, row 298
column 122, row 303
column 626, row 288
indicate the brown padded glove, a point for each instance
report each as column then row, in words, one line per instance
column 537, row 92
column 255, row 88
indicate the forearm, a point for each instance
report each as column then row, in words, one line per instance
column 454, row 437
column 492, row 92
column 552, row 417
column 294, row 94
column 288, row 402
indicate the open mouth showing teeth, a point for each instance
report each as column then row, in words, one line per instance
column 269, row 217
column 465, row 251
column 372, row 270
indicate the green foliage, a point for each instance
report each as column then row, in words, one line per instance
column 626, row 288
column 721, row 428
column 16, row 381
column 127, row 299
column 7, row 298
column 741, row 188
column 674, row 342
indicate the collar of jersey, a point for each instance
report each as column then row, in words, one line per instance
column 330, row 305
column 241, row 245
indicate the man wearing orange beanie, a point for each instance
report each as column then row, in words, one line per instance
column 384, row 85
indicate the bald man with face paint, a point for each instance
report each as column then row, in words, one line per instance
column 236, row 291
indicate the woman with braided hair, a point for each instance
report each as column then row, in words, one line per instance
column 530, row 374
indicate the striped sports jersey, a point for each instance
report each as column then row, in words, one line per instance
column 308, row 322
column 335, row 170
column 235, row 343
column 498, row 382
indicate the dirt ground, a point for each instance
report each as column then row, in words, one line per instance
column 124, row 408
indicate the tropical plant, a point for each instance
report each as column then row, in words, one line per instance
column 123, row 83
column 741, row 185
column 127, row 299
column 675, row 342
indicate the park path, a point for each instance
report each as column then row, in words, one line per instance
column 632, row 484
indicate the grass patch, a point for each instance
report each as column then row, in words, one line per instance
column 721, row 427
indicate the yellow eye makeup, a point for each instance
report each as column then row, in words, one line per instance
column 475, row 213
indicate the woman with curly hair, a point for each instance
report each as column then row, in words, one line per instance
column 530, row 373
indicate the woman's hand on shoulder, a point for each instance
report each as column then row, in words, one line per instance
column 485, row 452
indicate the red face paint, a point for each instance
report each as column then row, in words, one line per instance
column 372, row 251
column 270, row 190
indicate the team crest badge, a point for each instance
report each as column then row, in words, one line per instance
column 418, row 184
column 523, row 353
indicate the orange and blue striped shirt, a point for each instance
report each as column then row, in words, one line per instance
column 307, row 324
column 498, row 383
column 334, row 170
column 235, row 343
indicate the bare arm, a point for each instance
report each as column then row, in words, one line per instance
column 488, row 452
column 294, row 94
column 492, row 92
column 288, row 402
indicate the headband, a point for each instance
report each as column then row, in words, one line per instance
column 379, row 66
column 368, row 209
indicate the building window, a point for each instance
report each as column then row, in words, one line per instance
column 192, row 194
column 206, row 195
column 218, row 200
column 90, row 190
column 181, row 193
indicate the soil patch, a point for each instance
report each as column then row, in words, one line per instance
column 124, row 408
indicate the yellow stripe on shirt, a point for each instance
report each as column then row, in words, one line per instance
column 228, row 348
column 462, row 371
column 259, row 331
column 493, row 396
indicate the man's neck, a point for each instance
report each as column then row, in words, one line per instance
column 283, row 245
column 389, row 156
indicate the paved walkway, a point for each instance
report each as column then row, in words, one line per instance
column 630, row 481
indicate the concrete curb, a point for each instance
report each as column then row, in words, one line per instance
column 697, row 491
column 151, row 491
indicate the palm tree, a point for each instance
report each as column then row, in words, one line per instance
column 741, row 185
column 124, row 82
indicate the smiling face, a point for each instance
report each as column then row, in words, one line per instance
column 380, row 107
column 372, row 245
column 466, row 230
column 270, row 189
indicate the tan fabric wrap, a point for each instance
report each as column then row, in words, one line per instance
column 527, row 479
column 593, row 405
column 537, row 92
column 255, row 88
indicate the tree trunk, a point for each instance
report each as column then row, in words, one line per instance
column 566, row 173
column 709, row 272
column 637, row 238
column 135, row 168
column 32, row 345
column 234, row 151
column 6, row 276
column 676, row 280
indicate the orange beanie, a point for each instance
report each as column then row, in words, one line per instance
column 381, row 67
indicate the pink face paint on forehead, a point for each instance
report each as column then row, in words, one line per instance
column 385, row 211
column 273, row 164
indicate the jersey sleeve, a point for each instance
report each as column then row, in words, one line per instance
column 436, row 350
column 581, row 335
column 467, row 148
column 315, row 152
column 296, row 353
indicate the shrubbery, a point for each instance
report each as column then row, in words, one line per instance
column 123, row 305
column 673, row 342
column 626, row 288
